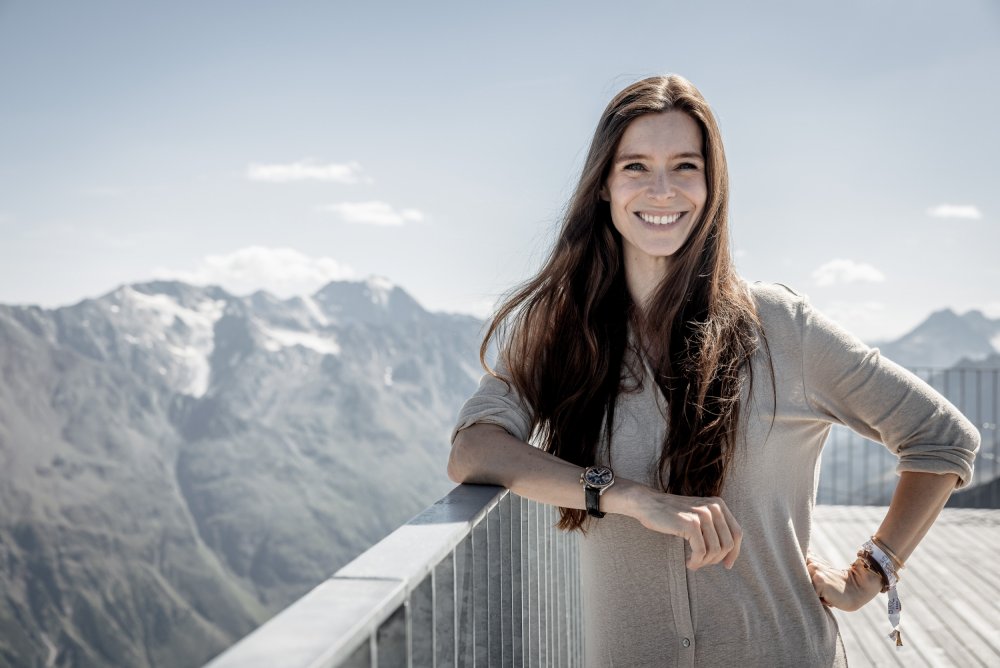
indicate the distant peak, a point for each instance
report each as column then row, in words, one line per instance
column 379, row 283
column 196, row 297
column 379, row 289
column 976, row 316
column 943, row 315
column 372, row 286
column 374, row 299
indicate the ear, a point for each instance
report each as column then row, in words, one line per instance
column 604, row 193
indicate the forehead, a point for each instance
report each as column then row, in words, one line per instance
column 665, row 132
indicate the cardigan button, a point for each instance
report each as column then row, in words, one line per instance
column 686, row 642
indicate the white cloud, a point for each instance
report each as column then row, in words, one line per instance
column 307, row 170
column 990, row 309
column 282, row 271
column 841, row 271
column 967, row 211
column 374, row 213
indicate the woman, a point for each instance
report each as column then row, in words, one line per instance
column 693, row 408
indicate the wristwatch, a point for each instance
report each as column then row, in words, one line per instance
column 595, row 480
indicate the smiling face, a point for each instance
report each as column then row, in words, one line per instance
column 657, row 190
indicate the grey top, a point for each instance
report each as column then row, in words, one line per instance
column 641, row 605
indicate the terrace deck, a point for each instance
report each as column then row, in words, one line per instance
column 950, row 590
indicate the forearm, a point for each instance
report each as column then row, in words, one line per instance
column 916, row 503
column 486, row 454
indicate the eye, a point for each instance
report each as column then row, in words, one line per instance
column 635, row 167
column 687, row 165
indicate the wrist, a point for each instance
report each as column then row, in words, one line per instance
column 869, row 580
column 623, row 498
column 629, row 498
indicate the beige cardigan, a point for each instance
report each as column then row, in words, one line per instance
column 641, row 606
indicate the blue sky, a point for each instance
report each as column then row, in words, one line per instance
column 281, row 145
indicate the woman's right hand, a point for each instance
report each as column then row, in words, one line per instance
column 704, row 522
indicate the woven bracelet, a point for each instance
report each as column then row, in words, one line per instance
column 895, row 608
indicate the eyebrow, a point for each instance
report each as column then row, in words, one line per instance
column 642, row 156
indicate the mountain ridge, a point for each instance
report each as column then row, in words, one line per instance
column 180, row 463
column 945, row 338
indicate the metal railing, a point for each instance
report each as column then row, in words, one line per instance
column 480, row 578
column 856, row 471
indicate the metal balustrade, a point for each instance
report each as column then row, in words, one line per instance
column 480, row 578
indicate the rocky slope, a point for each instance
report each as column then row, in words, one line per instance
column 177, row 463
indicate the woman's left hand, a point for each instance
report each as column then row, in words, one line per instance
column 847, row 589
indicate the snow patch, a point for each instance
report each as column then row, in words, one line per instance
column 995, row 342
column 315, row 311
column 153, row 320
column 276, row 339
column 387, row 376
column 379, row 289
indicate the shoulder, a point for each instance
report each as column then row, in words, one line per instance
column 777, row 304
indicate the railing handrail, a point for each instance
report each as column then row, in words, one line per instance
column 324, row 627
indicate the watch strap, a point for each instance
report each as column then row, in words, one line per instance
column 593, row 496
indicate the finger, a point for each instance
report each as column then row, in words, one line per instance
column 817, row 561
column 713, row 545
column 722, row 531
column 819, row 585
column 824, row 587
column 694, row 537
column 735, row 531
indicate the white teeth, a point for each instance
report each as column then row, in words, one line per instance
column 660, row 220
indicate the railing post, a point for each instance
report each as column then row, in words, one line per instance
column 545, row 537
column 517, row 581
column 480, row 594
column 392, row 640
column 494, row 604
column 445, row 596
column 421, row 626
column 465, row 620
column 506, row 589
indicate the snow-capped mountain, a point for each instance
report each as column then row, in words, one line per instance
column 178, row 463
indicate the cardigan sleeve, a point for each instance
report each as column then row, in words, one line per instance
column 848, row 383
column 496, row 402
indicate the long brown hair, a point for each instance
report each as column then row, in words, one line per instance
column 563, row 334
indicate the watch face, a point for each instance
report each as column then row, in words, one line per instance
column 599, row 476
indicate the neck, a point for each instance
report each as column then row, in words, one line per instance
column 642, row 276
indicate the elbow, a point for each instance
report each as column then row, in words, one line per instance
column 467, row 461
column 480, row 454
column 457, row 470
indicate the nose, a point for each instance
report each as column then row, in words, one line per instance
column 661, row 186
